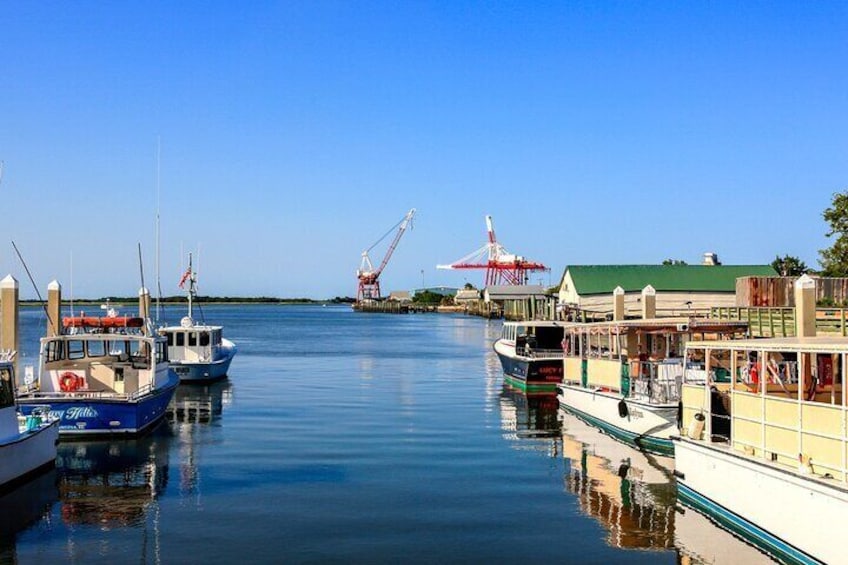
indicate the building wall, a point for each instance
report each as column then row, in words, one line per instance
column 667, row 302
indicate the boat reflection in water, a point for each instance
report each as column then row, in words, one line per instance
column 193, row 413
column 199, row 403
column 630, row 492
column 530, row 417
column 112, row 484
column 22, row 507
column 634, row 496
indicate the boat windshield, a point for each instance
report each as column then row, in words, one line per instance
column 7, row 395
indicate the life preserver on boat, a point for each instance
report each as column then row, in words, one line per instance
column 70, row 382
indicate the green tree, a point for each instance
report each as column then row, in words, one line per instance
column 674, row 262
column 834, row 260
column 789, row 266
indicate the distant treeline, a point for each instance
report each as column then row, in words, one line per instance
column 210, row 300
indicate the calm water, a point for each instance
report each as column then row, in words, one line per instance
column 344, row 437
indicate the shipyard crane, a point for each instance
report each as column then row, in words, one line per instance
column 369, row 278
column 501, row 266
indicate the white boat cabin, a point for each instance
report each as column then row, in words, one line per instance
column 540, row 338
column 193, row 344
column 102, row 363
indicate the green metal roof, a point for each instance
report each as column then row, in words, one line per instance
column 602, row 279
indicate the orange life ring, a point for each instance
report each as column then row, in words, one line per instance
column 70, row 382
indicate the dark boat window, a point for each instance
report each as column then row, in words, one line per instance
column 54, row 351
column 96, row 348
column 170, row 337
column 180, row 339
column 7, row 395
column 161, row 352
column 192, row 338
column 204, row 338
column 76, row 349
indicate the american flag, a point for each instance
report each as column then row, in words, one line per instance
column 185, row 277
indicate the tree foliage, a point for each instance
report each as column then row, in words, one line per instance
column 674, row 262
column 789, row 266
column 834, row 260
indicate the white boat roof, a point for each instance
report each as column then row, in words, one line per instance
column 192, row 327
column 543, row 323
column 829, row 344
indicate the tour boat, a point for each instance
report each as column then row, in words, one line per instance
column 765, row 452
column 531, row 355
column 27, row 443
column 103, row 376
column 197, row 352
column 624, row 376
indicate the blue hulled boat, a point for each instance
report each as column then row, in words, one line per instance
column 103, row 375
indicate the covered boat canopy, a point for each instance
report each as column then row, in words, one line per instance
column 102, row 322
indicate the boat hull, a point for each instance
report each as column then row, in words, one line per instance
column 648, row 427
column 780, row 511
column 27, row 454
column 199, row 372
column 84, row 417
column 529, row 374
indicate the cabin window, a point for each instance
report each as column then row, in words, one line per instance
column 7, row 395
column 76, row 349
column 180, row 339
column 161, row 352
column 136, row 349
column 204, row 338
column 170, row 337
column 192, row 339
column 96, row 348
column 54, row 351
column 116, row 348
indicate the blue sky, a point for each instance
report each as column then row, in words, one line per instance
column 294, row 134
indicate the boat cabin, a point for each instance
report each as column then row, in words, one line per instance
column 782, row 400
column 534, row 339
column 641, row 359
column 102, row 363
column 193, row 343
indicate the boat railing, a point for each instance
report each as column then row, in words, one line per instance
column 77, row 394
column 534, row 352
column 658, row 382
column 142, row 391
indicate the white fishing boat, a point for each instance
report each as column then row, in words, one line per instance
column 198, row 352
column 624, row 376
column 104, row 375
column 766, row 452
column 531, row 355
column 27, row 443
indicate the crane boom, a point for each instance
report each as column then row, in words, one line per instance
column 502, row 267
column 369, row 283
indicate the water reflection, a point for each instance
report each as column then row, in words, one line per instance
column 634, row 497
column 630, row 493
column 194, row 409
column 524, row 415
column 199, row 403
column 23, row 507
column 112, row 484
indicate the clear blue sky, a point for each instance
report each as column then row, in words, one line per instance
column 294, row 134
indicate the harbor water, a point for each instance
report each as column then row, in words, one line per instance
column 345, row 437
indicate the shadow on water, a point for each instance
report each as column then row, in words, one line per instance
column 23, row 507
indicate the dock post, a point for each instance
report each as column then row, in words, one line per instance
column 618, row 303
column 649, row 303
column 144, row 306
column 805, row 307
column 54, row 308
column 9, row 306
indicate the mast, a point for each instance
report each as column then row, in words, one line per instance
column 158, row 201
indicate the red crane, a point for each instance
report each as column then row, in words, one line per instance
column 501, row 266
column 369, row 283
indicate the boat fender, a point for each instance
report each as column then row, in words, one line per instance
column 622, row 409
column 69, row 382
column 696, row 426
